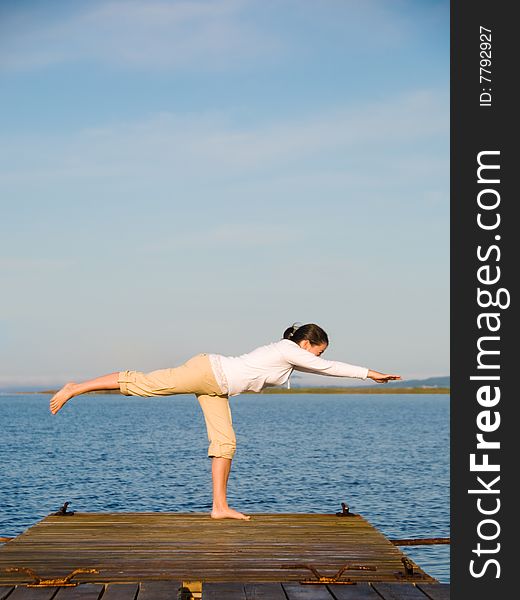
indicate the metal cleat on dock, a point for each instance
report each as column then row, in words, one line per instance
column 345, row 511
column 63, row 512
column 409, row 572
column 408, row 567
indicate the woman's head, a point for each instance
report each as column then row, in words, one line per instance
column 310, row 336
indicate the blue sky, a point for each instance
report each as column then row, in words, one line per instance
column 184, row 177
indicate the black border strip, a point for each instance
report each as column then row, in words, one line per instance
column 483, row 123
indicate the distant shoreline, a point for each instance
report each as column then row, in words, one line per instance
column 382, row 389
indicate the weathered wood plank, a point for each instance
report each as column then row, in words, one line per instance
column 5, row 590
column 158, row 590
column 264, row 591
column 26, row 593
column 360, row 591
column 223, row 591
column 84, row 591
column 298, row 591
column 436, row 591
column 121, row 591
column 399, row 591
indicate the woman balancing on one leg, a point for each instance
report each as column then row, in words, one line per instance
column 213, row 378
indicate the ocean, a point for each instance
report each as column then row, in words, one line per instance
column 386, row 456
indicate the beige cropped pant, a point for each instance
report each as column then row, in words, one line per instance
column 193, row 377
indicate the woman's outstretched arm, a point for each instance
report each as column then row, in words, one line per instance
column 381, row 377
column 305, row 361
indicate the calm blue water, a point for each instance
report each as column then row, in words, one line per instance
column 386, row 456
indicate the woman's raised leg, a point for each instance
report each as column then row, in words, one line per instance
column 69, row 390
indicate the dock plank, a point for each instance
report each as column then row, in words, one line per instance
column 158, row 590
column 223, row 591
column 298, row 591
column 264, row 591
column 26, row 593
column 84, row 591
column 399, row 591
column 5, row 590
column 121, row 591
column 360, row 591
column 436, row 591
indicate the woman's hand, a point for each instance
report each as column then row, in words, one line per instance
column 381, row 377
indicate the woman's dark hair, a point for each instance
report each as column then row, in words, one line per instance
column 311, row 332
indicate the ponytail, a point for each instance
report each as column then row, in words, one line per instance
column 313, row 333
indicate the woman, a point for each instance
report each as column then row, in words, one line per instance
column 213, row 378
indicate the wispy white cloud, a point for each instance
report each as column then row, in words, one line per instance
column 178, row 148
column 157, row 34
column 207, row 34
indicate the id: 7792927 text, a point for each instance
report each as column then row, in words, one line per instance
column 485, row 66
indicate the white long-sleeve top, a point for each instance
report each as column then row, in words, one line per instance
column 272, row 365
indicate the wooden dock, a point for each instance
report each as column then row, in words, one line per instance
column 148, row 556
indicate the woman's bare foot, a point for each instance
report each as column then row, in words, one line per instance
column 228, row 513
column 62, row 396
